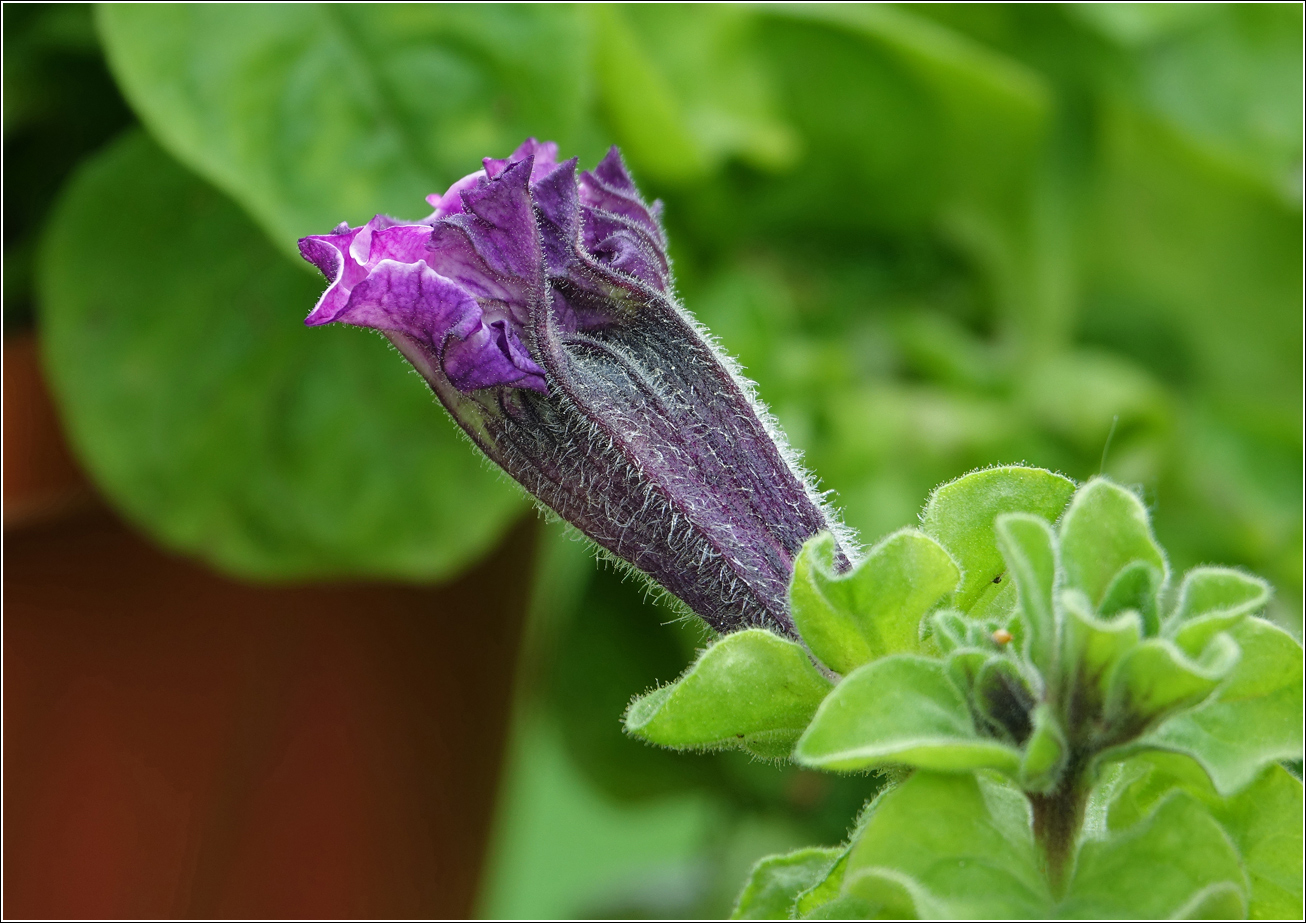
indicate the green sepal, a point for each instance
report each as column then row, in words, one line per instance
column 1155, row 678
column 961, row 514
column 1045, row 753
column 899, row 710
column 1029, row 549
column 1253, row 719
column 776, row 881
column 752, row 689
column 874, row 609
column 995, row 602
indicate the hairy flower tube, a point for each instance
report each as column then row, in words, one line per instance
column 537, row 303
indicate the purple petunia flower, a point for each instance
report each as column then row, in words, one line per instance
column 537, row 304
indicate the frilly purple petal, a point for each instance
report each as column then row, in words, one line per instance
column 608, row 187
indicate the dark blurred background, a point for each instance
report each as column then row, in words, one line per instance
column 277, row 642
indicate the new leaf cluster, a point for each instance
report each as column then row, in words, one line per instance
column 1089, row 737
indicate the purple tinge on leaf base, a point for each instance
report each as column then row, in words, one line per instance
column 536, row 303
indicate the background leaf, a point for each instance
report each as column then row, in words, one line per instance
column 204, row 409
column 309, row 115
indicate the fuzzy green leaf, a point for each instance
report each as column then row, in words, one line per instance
column 1212, row 600
column 1207, row 590
column 1254, row 719
column 884, row 894
column 1135, row 587
column 1091, row 647
column 876, row 608
column 1106, row 529
column 961, row 515
column 825, row 890
column 1155, row 678
column 1030, row 550
column 1117, row 875
column 751, row 689
column 899, row 710
column 776, row 881
column 961, row 845
column 1264, row 820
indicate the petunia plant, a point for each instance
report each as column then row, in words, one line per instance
column 1067, row 730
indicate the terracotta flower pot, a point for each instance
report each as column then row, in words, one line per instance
column 177, row 743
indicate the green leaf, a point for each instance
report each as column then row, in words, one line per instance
column 1211, row 590
column 1155, row 678
column 1135, row 587
column 948, row 629
column 1092, row 647
column 1212, row 600
column 311, row 114
column 825, row 890
column 1254, row 719
column 960, row 844
column 1117, row 876
column 174, row 341
column 898, row 710
column 963, row 666
column 1029, row 549
column 883, row 894
column 776, row 881
column 961, row 515
column 1264, row 821
column 684, row 91
column 1105, row 529
column 751, row 689
column 876, row 608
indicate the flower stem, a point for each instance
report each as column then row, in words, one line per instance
column 1058, row 816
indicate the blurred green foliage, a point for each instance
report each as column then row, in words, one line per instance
column 937, row 236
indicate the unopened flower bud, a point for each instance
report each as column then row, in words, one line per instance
column 537, row 303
